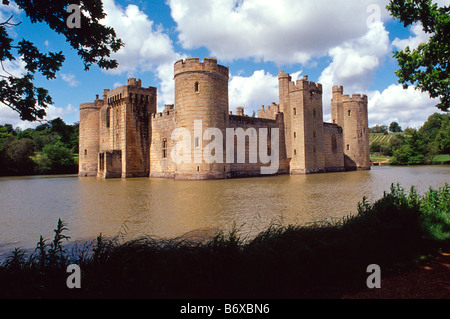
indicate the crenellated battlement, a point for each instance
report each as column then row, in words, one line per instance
column 194, row 65
column 338, row 95
column 134, row 82
column 163, row 115
column 269, row 112
column 301, row 84
column 133, row 92
column 346, row 98
column 338, row 89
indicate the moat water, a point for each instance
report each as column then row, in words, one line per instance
column 31, row 206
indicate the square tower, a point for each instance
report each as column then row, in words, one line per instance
column 125, row 128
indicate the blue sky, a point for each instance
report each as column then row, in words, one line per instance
column 339, row 42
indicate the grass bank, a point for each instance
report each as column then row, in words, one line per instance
column 323, row 260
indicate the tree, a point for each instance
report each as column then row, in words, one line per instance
column 394, row 127
column 428, row 66
column 435, row 134
column 93, row 41
column 375, row 147
column 378, row 129
column 17, row 157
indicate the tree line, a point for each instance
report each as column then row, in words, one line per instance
column 50, row 148
column 417, row 146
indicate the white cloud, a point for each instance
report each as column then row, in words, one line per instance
column 147, row 47
column 285, row 32
column 418, row 37
column 14, row 67
column 251, row 92
column 9, row 116
column 6, row 11
column 409, row 108
column 70, row 79
column 354, row 63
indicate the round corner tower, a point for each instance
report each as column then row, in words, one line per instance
column 201, row 94
column 89, row 139
column 355, row 132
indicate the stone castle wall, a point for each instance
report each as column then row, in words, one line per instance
column 351, row 113
column 122, row 135
column 163, row 124
column 333, row 148
column 89, row 139
column 201, row 94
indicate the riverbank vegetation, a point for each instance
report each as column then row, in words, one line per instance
column 322, row 260
column 430, row 144
column 50, row 148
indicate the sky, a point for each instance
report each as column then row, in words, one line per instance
column 339, row 42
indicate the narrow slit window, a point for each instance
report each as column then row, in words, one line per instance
column 196, row 142
column 295, row 111
column 108, row 117
column 196, row 87
column 348, row 147
column 164, row 148
column 349, row 112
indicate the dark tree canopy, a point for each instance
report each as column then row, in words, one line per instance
column 427, row 66
column 394, row 127
column 93, row 42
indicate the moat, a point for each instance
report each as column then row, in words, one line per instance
column 30, row 206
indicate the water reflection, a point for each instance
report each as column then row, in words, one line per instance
column 31, row 206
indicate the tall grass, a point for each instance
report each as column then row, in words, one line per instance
column 323, row 260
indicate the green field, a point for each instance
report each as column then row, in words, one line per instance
column 441, row 159
column 381, row 137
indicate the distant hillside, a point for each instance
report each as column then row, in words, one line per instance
column 381, row 137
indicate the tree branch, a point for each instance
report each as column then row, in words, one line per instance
column 7, row 23
column 1, row 62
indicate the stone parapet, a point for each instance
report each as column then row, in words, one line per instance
column 194, row 65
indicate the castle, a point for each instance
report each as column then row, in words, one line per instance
column 122, row 135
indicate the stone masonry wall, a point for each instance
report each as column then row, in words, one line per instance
column 333, row 148
column 161, row 146
column 201, row 93
column 89, row 139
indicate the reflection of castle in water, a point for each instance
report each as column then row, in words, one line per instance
column 122, row 135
